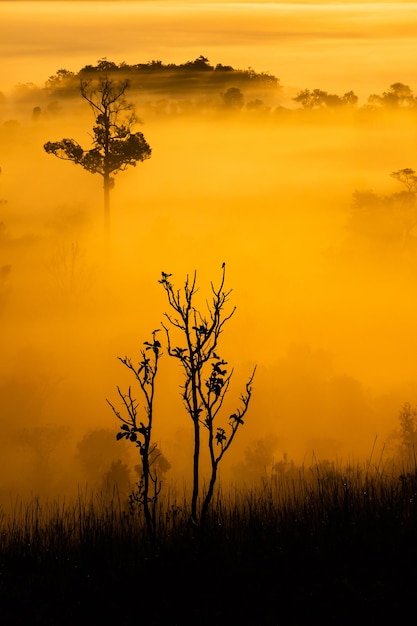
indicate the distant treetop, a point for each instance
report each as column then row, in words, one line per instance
column 397, row 96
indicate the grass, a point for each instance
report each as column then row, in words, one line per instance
column 315, row 545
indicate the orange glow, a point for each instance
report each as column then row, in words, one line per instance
column 327, row 312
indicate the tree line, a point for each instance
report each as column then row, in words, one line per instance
column 196, row 75
column 201, row 81
column 154, row 76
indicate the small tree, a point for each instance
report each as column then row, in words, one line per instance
column 408, row 432
column 115, row 145
column 389, row 218
column 233, row 98
column 398, row 96
column 319, row 99
column 72, row 276
column 140, row 432
column 206, row 377
column 408, row 178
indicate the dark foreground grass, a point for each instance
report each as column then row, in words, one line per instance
column 313, row 547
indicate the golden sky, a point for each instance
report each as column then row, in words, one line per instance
column 359, row 45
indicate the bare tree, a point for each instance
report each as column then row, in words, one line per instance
column 115, row 146
column 140, row 432
column 408, row 178
column 206, row 377
column 72, row 276
column 408, row 433
column 1, row 201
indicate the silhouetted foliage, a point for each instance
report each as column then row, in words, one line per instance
column 388, row 218
column 258, row 461
column 72, row 276
column 233, row 98
column 284, row 468
column 140, row 432
column 408, row 433
column 36, row 113
column 397, row 96
column 318, row 99
column 62, row 83
column 200, row 64
column 116, row 480
column 203, row 83
column 163, row 78
column 407, row 177
column 115, row 145
column 256, row 105
column 323, row 545
column 206, row 376
column 96, row 452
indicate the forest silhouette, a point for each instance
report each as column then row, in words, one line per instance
column 196, row 85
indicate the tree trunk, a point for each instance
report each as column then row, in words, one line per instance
column 106, row 187
column 194, row 499
column 148, row 516
column 209, row 494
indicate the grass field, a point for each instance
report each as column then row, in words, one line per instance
column 316, row 545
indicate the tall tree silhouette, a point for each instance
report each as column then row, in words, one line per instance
column 115, row 146
column 206, row 376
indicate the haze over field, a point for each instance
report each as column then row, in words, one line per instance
column 325, row 292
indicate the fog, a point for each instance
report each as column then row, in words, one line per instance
column 326, row 303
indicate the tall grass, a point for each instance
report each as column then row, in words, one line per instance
column 318, row 543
